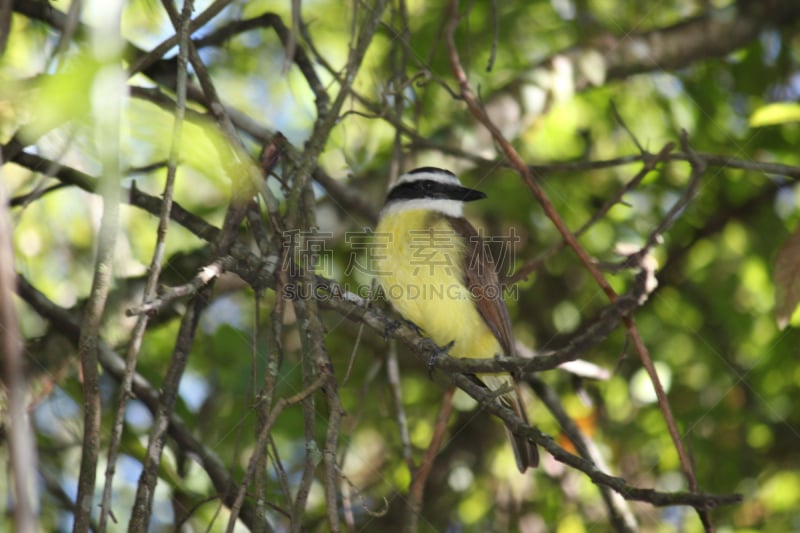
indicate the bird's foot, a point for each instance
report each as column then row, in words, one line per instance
column 394, row 325
column 436, row 352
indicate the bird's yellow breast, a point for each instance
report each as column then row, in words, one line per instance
column 418, row 260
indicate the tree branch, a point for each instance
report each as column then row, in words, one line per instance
column 22, row 452
column 699, row 501
column 108, row 131
column 715, row 33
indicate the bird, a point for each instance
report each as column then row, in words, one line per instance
column 434, row 269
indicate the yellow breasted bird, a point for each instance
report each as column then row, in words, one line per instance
column 436, row 272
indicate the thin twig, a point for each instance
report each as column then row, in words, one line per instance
column 353, row 354
column 318, row 361
column 620, row 514
column 574, row 167
column 108, row 129
column 147, row 60
column 6, row 7
column 399, row 65
column 206, row 275
column 260, row 471
column 495, row 36
column 291, row 43
column 650, row 164
column 261, row 444
column 329, row 452
column 53, row 484
column 142, row 507
column 313, row 354
column 154, row 271
column 698, row 168
column 21, row 447
column 68, row 30
column 621, row 122
column 298, row 54
column 416, row 491
column 283, row 478
column 393, row 377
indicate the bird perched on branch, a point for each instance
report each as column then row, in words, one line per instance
column 437, row 273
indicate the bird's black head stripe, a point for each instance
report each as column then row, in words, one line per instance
column 433, row 190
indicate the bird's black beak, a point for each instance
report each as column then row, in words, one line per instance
column 467, row 195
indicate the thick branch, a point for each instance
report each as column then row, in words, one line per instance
column 712, row 34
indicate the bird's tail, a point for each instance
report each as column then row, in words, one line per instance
column 525, row 451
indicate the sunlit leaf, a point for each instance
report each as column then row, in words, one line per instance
column 593, row 65
column 775, row 113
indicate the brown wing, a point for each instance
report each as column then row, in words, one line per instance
column 480, row 276
column 481, row 279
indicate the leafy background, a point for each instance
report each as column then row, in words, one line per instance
column 730, row 371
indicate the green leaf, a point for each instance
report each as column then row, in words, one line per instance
column 775, row 113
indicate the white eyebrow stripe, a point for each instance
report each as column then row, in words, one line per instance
column 438, row 177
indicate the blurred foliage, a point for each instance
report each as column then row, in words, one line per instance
column 732, row 375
